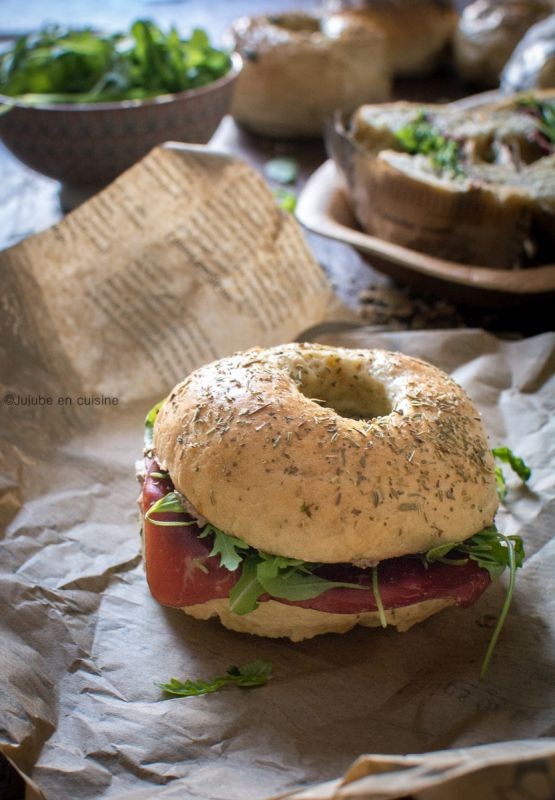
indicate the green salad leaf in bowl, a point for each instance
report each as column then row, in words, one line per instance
column 81, row 106
column 57, row 65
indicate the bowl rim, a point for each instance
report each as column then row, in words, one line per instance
column 113, row 105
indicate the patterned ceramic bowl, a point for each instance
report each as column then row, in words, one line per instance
column 87, row 145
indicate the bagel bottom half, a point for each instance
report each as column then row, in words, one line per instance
column 275, row 620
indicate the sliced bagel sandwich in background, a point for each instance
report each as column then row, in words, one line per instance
column 471, row 186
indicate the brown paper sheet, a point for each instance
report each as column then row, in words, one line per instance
column 521, row 770
column 82, row 644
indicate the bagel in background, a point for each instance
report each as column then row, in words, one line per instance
column 487, row 33
column 532, row 63
column 297, row 70
column 299, row 490
column 417, row 32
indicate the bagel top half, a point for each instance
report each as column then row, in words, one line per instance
column 328, row 454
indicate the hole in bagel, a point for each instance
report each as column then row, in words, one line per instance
column 347, row 390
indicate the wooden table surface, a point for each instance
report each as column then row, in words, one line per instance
column 30, row 202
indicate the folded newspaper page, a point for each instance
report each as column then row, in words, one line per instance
column 183, row 259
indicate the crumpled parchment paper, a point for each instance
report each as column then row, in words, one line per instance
column 82, row 643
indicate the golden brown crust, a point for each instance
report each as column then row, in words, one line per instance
column 247, row 442
column 465, row 220
column 275, row 619
column 296, row 72
column 416, row 32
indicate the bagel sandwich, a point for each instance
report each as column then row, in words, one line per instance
column 306, row 489
column 298, row 68
column 473, row 186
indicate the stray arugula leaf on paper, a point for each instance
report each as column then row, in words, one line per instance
column 255, row 673
column 506, row 455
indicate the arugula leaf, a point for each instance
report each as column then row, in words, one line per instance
column 506, row 455
column 273, row 564
column 513, row 555
column 150, row 419
column 291, row 583
column 286, row 578
column 286, row 200
column 225, row 546
column 547, row 116
column 282, row 170
column 378, row 597
column 420, row 136
column 243, row 598
column 64, row 65
column 170, row 502
column 495, row 552
column 490, row 549
column 544, row 112
column 438, row 554
column 255, row 673
column 501, row 483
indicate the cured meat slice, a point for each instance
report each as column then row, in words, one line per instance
column 179, row 568
column 181, row 572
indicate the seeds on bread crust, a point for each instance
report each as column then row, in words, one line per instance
column 328, row 454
